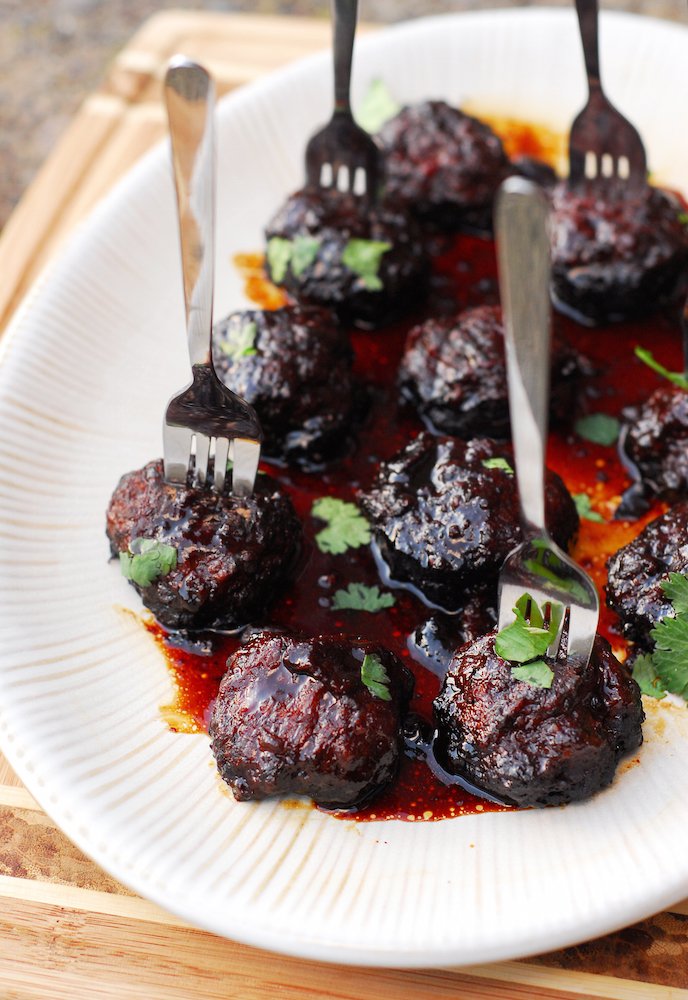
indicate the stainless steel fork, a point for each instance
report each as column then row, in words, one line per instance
column 537, row 566
column 207, row 427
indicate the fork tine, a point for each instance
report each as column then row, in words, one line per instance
column 202, row 455
column 177, row 451
column 221, row 459
column 562, row 614
column 582, row 628
column 246, row 455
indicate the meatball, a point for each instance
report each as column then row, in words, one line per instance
column 656, row 441
column 332, row 249
column 615, row 259
column 454, row 371
column 232, row 553
column 444, row 165
column 293, row 365
column 445, row 515
column 296, row 716
column 636, row 573
column 535, row 746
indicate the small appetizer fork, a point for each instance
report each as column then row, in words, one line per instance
column 604, row 148
column 342, row 155
column 537, row 566
column 206, row 414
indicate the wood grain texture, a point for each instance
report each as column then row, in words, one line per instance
column 67, row 930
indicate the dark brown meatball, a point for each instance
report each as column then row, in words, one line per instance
column 444, row 165
column 444, row 521
column 615, row 259
column 536, row 746
column 454, row 371
column 656, row 441
column 293, row 716
column 637, row 570
column 233, row 554
column 327, row 231
column 293, row 365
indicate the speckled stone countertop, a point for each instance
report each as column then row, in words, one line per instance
column 54, row 52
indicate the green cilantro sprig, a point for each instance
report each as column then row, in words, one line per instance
column 359, row 597
column 526, row 640
column 584, row 508
column 666, row 669
column 676, row 378
column 364, row 257
column 239, row 341
column 600, row 428
column 147, row 560
column 346, row 528
column 498, row 463
column 299, row 253
column 377, row 107
column 375, row 677
column 645, row 674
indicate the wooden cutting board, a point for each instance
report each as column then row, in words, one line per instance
column 67, row 930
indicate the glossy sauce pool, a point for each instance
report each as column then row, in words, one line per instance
column 464, row 274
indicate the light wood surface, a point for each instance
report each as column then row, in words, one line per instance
column 67, row 930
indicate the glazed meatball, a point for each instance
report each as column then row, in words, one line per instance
column 535, row 746
column 232, row 554
column 332, row 249
column 615, row 259
column 293, row 365
column 445, row 515
column 636, row 573
column 454, row 371
column 656, row 441
column 444, row 165
column 294, row 716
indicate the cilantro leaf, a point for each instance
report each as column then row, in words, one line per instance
column 304, row 251
column 645, row 675
column 536, row 673
column 670, row 657
column 676, row 378
column 358, row 597
column 676, row 589
column 239, row 341
column 146, row 560
column 346, row 528
column 582, row 502
column 599, row 428
column 498, row 463
column 279, row 254
column 526, row 639
column 377, row 107
column 375, row 677
column 683, row 218
column 363, row 257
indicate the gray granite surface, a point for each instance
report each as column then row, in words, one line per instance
column 54, row 52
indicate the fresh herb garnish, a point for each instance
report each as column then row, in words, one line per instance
column 377, row 107
column 676, row 589
column 599, row 428
column 279, row 254
column 683, row 218
column 526, row 638
column 363, row 258
column 498, row 463
column 239, row 341
column 303, row 253
column 676, row 378
column 146, row 560
column 645, row 675
column 359, row 597
column 582, row 502
column 346, row 528
column 536, row 673
column 375, row 677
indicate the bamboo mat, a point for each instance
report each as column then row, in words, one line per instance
column 67, row 930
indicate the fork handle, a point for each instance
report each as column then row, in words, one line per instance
column 523, row 259
column 190, row 100
column 344, row 14
column 588, row 21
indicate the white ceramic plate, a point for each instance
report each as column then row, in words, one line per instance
column 88, row 364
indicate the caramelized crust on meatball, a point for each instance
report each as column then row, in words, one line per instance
column 656, row 441
column 293, row 365
column 445, row 515
column 233, row 554
column 615, row 259
column 536, row 746
column 294, row 716
column 367, row 262
column 454, row 371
